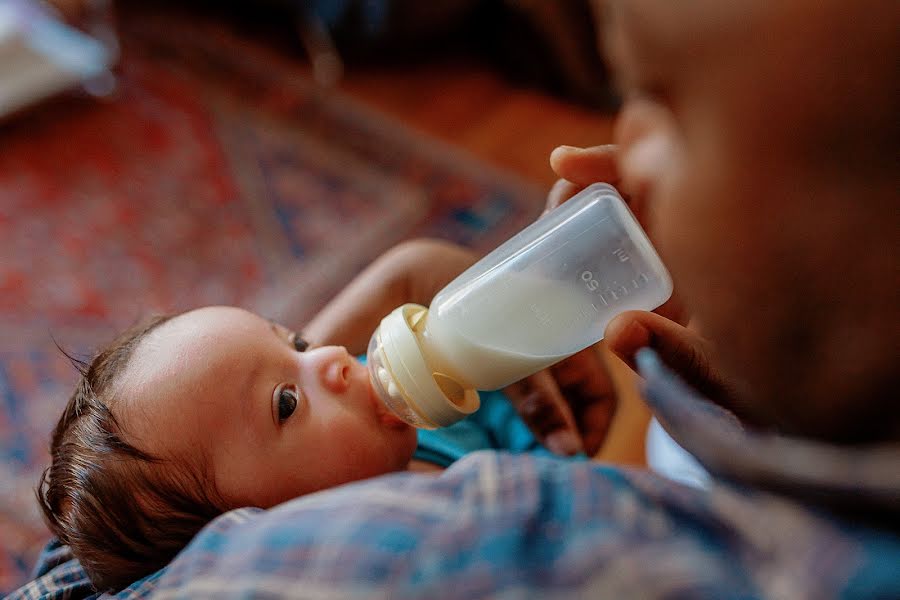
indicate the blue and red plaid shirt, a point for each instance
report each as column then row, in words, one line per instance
column 780, row 518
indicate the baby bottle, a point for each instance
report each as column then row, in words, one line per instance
column 540, row 297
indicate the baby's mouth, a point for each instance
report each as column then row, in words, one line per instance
column 384, row 415
column 391, row 420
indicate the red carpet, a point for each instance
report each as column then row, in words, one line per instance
column 217, row 176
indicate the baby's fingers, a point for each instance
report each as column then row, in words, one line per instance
column 587, row 389
column 539, row 402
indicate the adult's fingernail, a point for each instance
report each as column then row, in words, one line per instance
column 560, row 149
column 563, row 442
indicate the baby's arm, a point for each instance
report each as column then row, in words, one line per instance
column 413, row 271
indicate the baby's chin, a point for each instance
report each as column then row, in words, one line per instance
column 383, row 414
column 391, row 421
column 402, row 434
column 409, row 449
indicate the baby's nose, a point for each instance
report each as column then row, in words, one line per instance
column 334, row 367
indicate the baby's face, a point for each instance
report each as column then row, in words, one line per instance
column 273, row 422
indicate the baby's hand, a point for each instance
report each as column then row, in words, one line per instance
column 569, row 406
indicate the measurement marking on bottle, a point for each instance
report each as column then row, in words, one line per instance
column 621, row 255
column 614, row 291
column 589, row 282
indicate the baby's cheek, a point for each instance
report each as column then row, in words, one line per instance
column 388, row 450
column 404, row 444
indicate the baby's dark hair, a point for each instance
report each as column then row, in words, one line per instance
column 123, row 511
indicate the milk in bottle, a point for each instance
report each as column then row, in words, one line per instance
column 545, row 294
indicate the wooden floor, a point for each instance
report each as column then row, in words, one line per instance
column 473, row 108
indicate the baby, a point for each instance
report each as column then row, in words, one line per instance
column 185, row 417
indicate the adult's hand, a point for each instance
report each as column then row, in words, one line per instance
column 570, row 406
column 578, row 168
column 681, row 348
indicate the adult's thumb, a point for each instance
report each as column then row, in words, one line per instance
column 584, row 166
column 682, row 349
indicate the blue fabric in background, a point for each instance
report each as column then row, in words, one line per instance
column 494, row 426
column 330, row 12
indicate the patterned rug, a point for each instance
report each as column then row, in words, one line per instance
column 218, row 175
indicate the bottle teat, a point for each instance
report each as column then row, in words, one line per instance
column 404, row 379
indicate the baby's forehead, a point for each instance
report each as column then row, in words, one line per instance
column 186, row 365
column 199, row 340
column 210, row 322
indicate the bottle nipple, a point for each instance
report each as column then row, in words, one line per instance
column 403, row 378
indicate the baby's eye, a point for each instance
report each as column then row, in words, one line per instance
column 299, row 343
column 286, row 398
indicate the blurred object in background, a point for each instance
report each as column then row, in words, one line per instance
column 372, row 29
column 45, row 49
column 538, row 43
column 554, row 45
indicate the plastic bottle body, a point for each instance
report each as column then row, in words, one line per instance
column 545, row 294
column 477, row 362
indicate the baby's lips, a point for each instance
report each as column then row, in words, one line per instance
column 391, row 420
column 385, row 416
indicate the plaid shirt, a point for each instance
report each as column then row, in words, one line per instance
column 781, row 518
